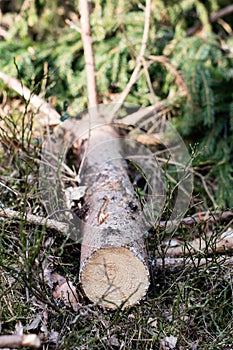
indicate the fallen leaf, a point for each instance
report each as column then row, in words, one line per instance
column 35, row 323
column 67, row 292
column 53, row 336
column 152, row 322
column 74, row 194
column 57, row 279
column 168, row 343
column 113, row 341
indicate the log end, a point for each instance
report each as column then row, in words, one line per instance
column 114, row 276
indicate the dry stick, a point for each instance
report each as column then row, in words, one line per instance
column 88, row 54
column 8, row 188
column 222, row 245
column 177, row 263
column 144, row 113
column 73, row 26
column 182, row 86
column 213, row 18
column 136, row 71
column 36, row 220
column 15, row 341
column 53, row 118
column 221, row 13
column 63, row 227
column 206, row 189
column 203, row 217
column 145, row 66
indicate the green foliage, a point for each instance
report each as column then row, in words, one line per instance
column 44, row 48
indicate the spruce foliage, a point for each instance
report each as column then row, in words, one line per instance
column 193, row 73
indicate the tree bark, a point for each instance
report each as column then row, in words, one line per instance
column 113, row 268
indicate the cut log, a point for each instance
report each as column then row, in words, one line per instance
column 113, row 269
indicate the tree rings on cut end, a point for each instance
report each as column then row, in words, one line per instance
column 114, row 276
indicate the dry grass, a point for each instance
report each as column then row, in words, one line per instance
column 186, row 308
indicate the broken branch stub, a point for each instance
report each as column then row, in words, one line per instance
column 113, row 269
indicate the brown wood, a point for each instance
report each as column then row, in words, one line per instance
column 222, row 244
column 113, row 260
column 61, row 227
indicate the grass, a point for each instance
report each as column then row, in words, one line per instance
column 191, row 307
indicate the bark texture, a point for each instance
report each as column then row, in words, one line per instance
column 113, row 260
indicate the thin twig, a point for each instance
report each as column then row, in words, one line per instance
column 36, row 220
column 8, row 188
column 221, row 13
column 73, row 25
column 180, row 82
column 135, row 74
column 178, row 263
column 203, row 217
column 88, row 54
column 143, row 113
column 215, row 16
column 221, row 244
column 206, row 188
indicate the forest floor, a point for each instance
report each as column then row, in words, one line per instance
column 189, row 306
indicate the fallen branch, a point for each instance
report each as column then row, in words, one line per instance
column 60, row 227
column 204, row 217
column 63, row 228
column 113, row 226
column 135, row 118
column 16, row 341
column 172, row 264
column 223, row 244
column 37, row 103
